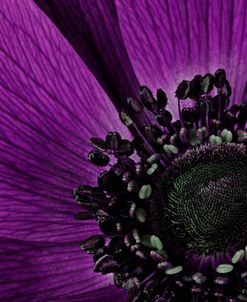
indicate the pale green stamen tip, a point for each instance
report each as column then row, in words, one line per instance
column 238, row 256
column 145, row 192
column 174, row 270
column 152, row 169
column 224, row 268
column 156, row 242
column 141, row 215
column 170, row 149
column 152, row 241
column 226, row 136
column 215, row 140
column 155, row 158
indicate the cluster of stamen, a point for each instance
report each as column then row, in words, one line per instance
column 138, row 197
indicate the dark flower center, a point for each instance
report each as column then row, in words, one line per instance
column 171, row 204
column 203, row 200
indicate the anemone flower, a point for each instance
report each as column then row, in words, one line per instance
column 157, row 88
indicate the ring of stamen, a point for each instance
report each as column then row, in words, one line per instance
column 172, row 205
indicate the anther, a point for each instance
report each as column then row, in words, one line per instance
column 195, row 87
column 238, row 256
column 98, row 158
column 207, row 83
column 135, row 105
column 224, row 268
column 170, row 149
column 141, row 215
column 126, row 119
column 145, row 191
column 113, row 140
column 174, row 270
column 98, row 143
column 147, row 98
column 161, row 99
column 164, row 117
column 183, row 89
column 219, row 78
column 92, row 244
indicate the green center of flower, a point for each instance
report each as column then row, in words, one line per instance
column 204, row 204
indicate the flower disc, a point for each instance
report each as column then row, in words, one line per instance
column 203, row 199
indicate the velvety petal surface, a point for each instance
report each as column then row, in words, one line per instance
column 92, row 28
column 50, row 105
column 50, row 272
column 168, row 41
column 106, row 294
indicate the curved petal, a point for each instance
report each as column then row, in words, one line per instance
column 50, row 272
column 93, row 30
column 50, row 105
column 169, row 41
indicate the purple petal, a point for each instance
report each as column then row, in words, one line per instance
column 168, row 41
column 107, row 294
column 93, row 30
column 50, row 106
column 51, row 272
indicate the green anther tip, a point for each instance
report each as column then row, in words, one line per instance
column 152, row 169
column 238, row 256
column 170, row 149
column 174, row 270
column 215, row 140
column 145, row 191
column 224, row 268
column 154, row 158
column 226, row 136
column 141, row 215
column 156, row 242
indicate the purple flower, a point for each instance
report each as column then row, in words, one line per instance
column 171, row 205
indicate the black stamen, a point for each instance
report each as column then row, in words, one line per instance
column 207, row 83
column 161, row 99
column 135, row 105
column 92, row 244
column 175, row 212
column 195, row 88
column 113, row 141
column 98, row 158
column 219, row 78
column 98, row 144
column 147, row 99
